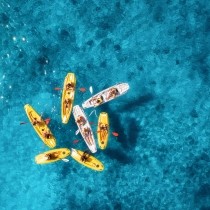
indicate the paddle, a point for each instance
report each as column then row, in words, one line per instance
column 94, row 112
column 65, row 160
column 115, row 134
column 75, row 141
column 77, row 132
column 91, row 89
column 22, row 123
column 47, row 121
column 82, row 90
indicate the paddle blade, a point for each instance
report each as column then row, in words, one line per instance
column 22, row 123
column 77, row 132
column 65, row 160
column 47, row 121
column 75, row 141
column 91, row 89
column 115, row 134
column 82, row 90
column 57, row 88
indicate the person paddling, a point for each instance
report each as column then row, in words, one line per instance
column 112, row 93
column 85, row 156
column 70, row 86
column 35, row 121
column 47, row 134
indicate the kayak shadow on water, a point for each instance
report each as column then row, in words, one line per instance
column 67, row 169
column 140, row 101
column 118, row 155
column 133, row 132
column 132, row 128
column 129, row 139
column 116, row 125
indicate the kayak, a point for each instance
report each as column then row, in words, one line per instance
column 106, row 95
column 67, row 97
column 84, row 128
column 90, row 162
column 103, row 130
column 52, row 156
column 40, row 126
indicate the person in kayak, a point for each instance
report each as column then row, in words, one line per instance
column 51, row 156
column 47, row 134
column 85, row 156
column 87, row 135
column 35, row 121
column 98, row 100
column 69, row 86
column 67, row 103
column 81, row 120
column 103, row 129
column 103, row 126
column 112, row 93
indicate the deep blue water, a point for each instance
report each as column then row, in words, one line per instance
column 161, row 159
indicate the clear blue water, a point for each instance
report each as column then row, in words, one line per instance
column 161, row 159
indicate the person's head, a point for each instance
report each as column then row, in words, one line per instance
column 47, row 156
column 69, row 85
column 98, row 100
column 78, row 118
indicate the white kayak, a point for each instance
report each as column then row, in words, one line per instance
column 106, row 95
column 84, row 128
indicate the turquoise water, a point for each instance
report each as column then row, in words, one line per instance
column 161, row 159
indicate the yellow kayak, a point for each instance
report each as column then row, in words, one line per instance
column 52, row 156
column 68, row 97
column 40, row 126
column 103, row 130
column 90, row 161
